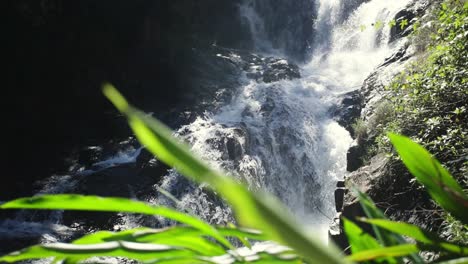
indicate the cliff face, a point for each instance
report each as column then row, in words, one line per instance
column 385, row 180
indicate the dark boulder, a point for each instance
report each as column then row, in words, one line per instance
column 354, row 158
column 339, row 198
column 348, row 110
column 398, row 31
column 279, row 69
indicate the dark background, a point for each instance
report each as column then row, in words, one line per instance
column 59, row 52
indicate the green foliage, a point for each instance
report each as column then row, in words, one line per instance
column 385, row 237
column 360, row 130
column 198, row 242
column 378, row 25
column 403, row 24
column 438, row 181
column 416, row 233
column 430, row 99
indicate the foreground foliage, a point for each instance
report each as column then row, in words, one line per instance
column 198, row 242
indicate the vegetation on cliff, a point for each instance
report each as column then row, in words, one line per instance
column 429, row 103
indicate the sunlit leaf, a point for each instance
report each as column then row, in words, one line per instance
column 418, row 234
column 361, row 241
column 385, row 237
column 455, row 261
column 394, row 251
column 443, row 188
column 137, row 251
column 96, row 203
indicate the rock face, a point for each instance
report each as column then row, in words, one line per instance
column 386, row 182
column 349, row 109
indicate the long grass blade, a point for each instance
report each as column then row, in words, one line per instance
column 385, row 252
column 136, row 251
column 96, row 203
column 362, row 241
column 385, row 237
column 455, row 261
column 418, row 234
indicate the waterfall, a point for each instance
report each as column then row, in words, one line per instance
column 256, row 24
column 277, row 136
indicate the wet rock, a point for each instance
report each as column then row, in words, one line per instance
column 340, row 184
column 234, row 149
column 279, row 69
column 354, row 157
column 397, row 31
column 339, row 197
column 346, row 112
column 269, row 69
column 90, row 155
column 397, row 56
column 363, row 179
column 336, row 233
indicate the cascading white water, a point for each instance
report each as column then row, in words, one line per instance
column 287, row 141
column 256, row 25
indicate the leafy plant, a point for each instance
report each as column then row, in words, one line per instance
column 198, row 242
column 403, row 24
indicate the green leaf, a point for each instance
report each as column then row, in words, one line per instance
column 455, row 261
column 361, row 241
column 137, row 251
column 385, row 237
column 182, row 240
column 358, row 239
column 403, row 23
column 443, row 188
column 378, row 25
column 418, row 234
column 385, row 252
column 96, row 203
column 256, row 210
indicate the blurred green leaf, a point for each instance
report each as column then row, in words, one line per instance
column 362, row 241
column 197, row 243
column 137, row 251
column 385, row 252
column 455, row 261
column 385, row 237
column 439, row 183
column 418, row 234
column 95, row 203
column 257, row 210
